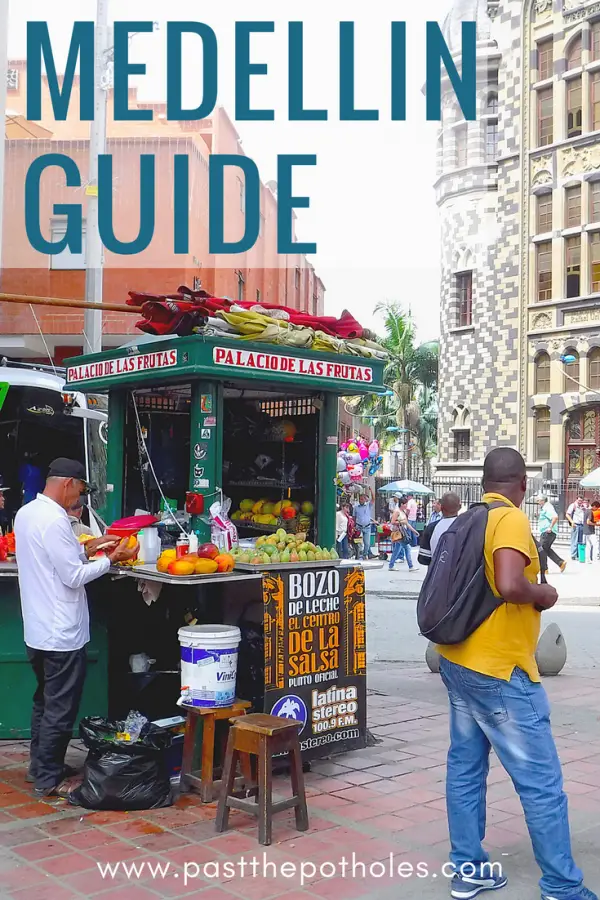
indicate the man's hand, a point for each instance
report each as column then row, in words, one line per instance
column 101, row 543
column 123, row 553
column 545, row 596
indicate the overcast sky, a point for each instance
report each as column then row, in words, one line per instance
column 373, row 213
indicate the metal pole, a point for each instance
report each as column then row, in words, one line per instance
column 3, row 77
column 94, row 257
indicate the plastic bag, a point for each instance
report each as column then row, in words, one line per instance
column 123, row 776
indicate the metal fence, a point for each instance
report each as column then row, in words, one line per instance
column 560, row 493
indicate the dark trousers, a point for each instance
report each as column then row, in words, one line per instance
column 60, row 677
column 547, row 540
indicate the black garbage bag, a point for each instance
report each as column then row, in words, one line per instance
column 123, row 776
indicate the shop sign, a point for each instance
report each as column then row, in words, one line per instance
column 293, row 365
column 315, row 655
column 112, row 368
column 205, row 434
column 210, row 422
column 206, row 403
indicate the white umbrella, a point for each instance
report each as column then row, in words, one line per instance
column 592, row 480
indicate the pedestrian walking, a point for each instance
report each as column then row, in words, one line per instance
column 412, row 511
column 575, row 516
column 53, row 572
column 589, row 532
column 497, row 701
column 548, row 524
column 449, row 507
column 402, row 532
column 341, row 532
column 363, row 516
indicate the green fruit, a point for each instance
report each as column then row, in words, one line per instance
column 269, row 549
column 294, row 558
column 290, row 538
column 266, row 559
column 310, row 556
column 326, row 554
column 281, row 546
column 257, row 561
column 281, row 534
column 319, row 556
column 307, row 508
column 244, row 558
column 285, row 556
column 311, row 546
column 275, row 557
column 333, row 554
column 303, row 557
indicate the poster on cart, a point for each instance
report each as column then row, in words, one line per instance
column 316, row 655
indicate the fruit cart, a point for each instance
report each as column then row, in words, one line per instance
column 253, row 428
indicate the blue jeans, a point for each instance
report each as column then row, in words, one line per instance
column 414, row 538
column 513, row 718
column 576, row 539
column 399, row 550
column 365, row 531
column 342, row 547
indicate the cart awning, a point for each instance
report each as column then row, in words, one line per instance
column 182, row 359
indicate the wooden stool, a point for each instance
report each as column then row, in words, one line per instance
column 262, row 736
column 205, row 784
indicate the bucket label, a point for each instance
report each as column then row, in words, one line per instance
column 208, row 677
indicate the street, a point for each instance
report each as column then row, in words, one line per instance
column 392, row 632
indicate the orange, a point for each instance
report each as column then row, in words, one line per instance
column 225, row 562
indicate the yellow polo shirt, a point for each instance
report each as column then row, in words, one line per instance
column 508, row 639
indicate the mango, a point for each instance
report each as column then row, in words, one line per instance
column 206, row 567
column 181, row 567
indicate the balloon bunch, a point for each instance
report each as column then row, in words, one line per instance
column 355, row 460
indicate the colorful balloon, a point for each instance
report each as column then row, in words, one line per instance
column 374, row 449
column 341, row 463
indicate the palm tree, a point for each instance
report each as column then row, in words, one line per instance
column 411, row 374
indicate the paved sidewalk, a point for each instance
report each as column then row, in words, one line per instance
column 388, row 799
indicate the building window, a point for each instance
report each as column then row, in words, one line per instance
column 545, row 117
column 595, row 94
column 574, row 108
column 462, row 445
column 595, row 201
column 594, row 369
column 66, row 260
column 242, row 191
column 595, row 262
column 571, row 371
column 544, row 271
column 595, row 40
column 545, row 59
column 573, row 206
column 542, row 434
column 464, row 286
column 574, row 53
column 462, row 137
column 542, row 374
column 491, row 140
column 240, row 286
column 573, row 265
column 544, row 213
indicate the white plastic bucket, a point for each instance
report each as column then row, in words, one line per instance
column 209, row 656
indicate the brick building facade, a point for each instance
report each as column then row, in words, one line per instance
column 260, row 274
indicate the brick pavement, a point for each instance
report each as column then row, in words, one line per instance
column 388, row 799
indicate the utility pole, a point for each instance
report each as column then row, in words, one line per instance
column 3, row 78
column 94, row 257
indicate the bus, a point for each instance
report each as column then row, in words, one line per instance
column 40, row 421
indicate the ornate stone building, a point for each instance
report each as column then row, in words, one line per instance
column 519, row 198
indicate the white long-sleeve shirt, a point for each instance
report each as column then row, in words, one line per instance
column 53, row 573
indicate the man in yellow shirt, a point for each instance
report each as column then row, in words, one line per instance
column 497, row 701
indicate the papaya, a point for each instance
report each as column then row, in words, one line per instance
column 206, row 567
column 181, row 567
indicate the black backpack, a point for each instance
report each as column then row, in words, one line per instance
column 456, row 598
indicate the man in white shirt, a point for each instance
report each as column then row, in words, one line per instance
column 53, row 572
column 412, row 512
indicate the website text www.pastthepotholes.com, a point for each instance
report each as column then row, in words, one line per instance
column 306, row 871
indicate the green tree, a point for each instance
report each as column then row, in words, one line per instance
column 411, row 375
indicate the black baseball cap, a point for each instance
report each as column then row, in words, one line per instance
column 68, row 468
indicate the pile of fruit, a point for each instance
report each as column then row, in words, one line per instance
column 207, row 561
column 282, row 547
column 266, row 512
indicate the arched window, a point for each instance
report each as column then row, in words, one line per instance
column 542, row 434
column 491, row 129
column 594, row 369
column 574, row 53
column 572, row 371
column 542, row 374
column 462, row 434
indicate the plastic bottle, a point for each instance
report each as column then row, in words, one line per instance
column 194, row 543
column 149, row 545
